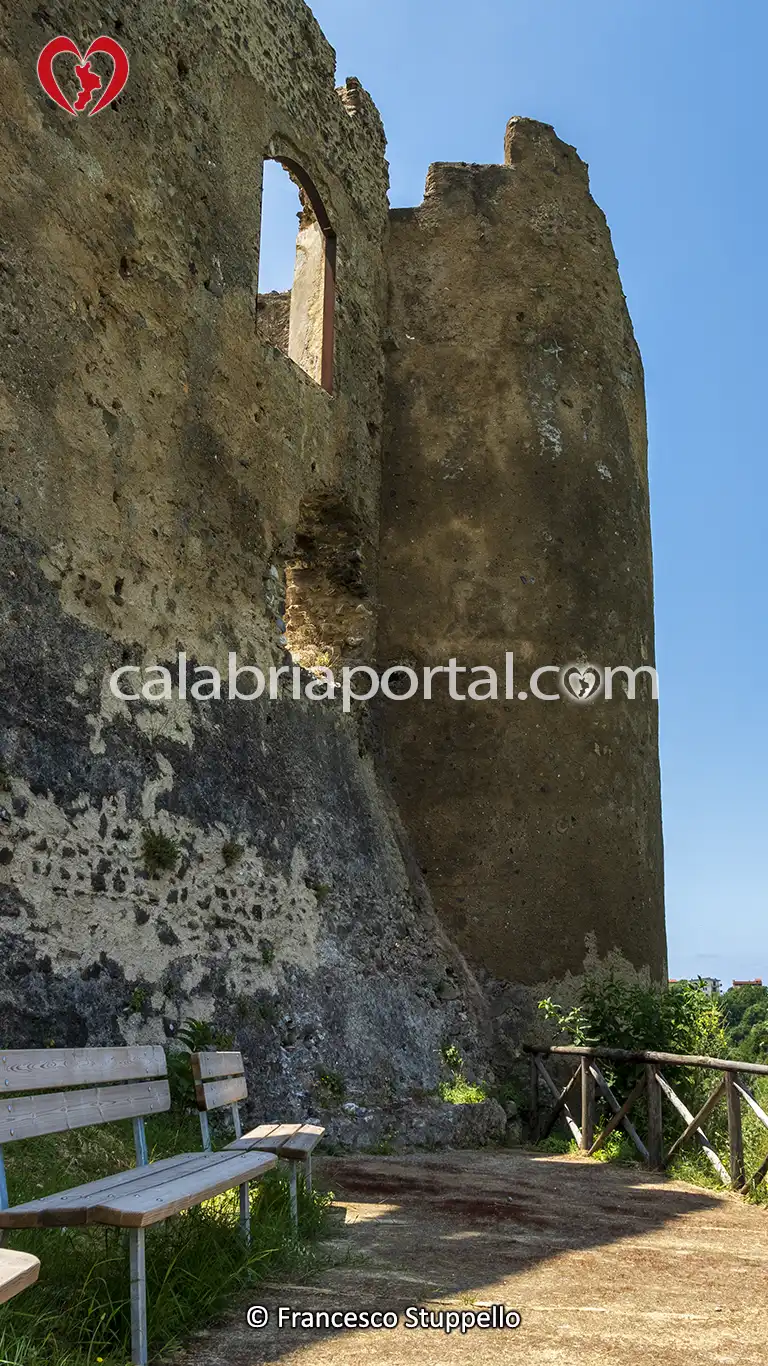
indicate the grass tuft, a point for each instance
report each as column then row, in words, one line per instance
column 159, row 852
column 462, row 1092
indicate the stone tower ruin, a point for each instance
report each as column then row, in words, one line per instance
column 433, row 447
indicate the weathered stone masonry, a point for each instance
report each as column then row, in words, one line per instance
column 515, row 508
column 167, row 476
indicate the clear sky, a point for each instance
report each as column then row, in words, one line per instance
column 663, row 99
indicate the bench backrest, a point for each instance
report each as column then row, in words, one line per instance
column 113, row 1083
column 219, row 1081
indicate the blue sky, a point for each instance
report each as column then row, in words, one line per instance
column 662, row 98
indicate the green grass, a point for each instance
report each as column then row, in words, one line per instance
column 618, row 1147
column 78, row 1314
column 690, row 1164
column 556, row 1145
column 462, row 1092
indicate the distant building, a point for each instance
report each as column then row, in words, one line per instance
column 712, row 985
column 753, row 982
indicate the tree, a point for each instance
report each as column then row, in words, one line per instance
column 746, row 1016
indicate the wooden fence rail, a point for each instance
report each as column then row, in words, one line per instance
column 588, row 1081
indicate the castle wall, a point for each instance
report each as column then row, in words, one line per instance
column 515, row 518
column 159, row 462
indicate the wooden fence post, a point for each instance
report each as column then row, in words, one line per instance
column 655, row 1120
column 534, row 1100
column 587, row 1106
column 735, row 1135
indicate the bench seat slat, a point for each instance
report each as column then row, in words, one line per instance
column 40, row 1069
column 143, row 1195
column 305, row 1141
column 30, row 1115
column 270, row 1137
column 220, row 1174
column 18, row 1270
column 287, row 1140
column 37, row 1213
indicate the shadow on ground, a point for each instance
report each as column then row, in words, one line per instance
column 604, row 1263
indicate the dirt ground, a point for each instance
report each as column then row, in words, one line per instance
column 604, row 1264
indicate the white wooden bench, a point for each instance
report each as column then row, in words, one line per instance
column 220, row 1081
column 18, row 1270
column 116, row 1083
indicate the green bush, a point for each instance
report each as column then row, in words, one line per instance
column 683, row 1018
column 231, row 853
column 616, row 1012
column 197, row 1036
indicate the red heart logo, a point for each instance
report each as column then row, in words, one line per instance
column 89, row 81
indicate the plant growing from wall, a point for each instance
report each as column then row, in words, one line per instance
column 321, row 890
column 159, row 852
column 330, row 1090
column 459, row 1091
column 231, row 852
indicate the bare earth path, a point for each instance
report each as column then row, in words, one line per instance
column 604, row 1264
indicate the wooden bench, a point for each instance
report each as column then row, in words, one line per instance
column 219, row 1082
column 18, row 1270
column 116, row 1083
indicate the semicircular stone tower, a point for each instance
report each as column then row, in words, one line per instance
column 515, row 519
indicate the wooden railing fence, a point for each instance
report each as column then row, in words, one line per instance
column 579, row 1097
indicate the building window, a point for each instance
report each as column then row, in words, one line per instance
column 297, row 273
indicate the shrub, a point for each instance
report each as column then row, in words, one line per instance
column 618, row 1012
column 614, row 1011
column 462, row 1092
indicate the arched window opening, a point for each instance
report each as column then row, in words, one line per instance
column 297, row 273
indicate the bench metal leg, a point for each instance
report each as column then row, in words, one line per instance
column 138, row 1297
column 308, row 1173
column 294, row 1194
column 245, row 1213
